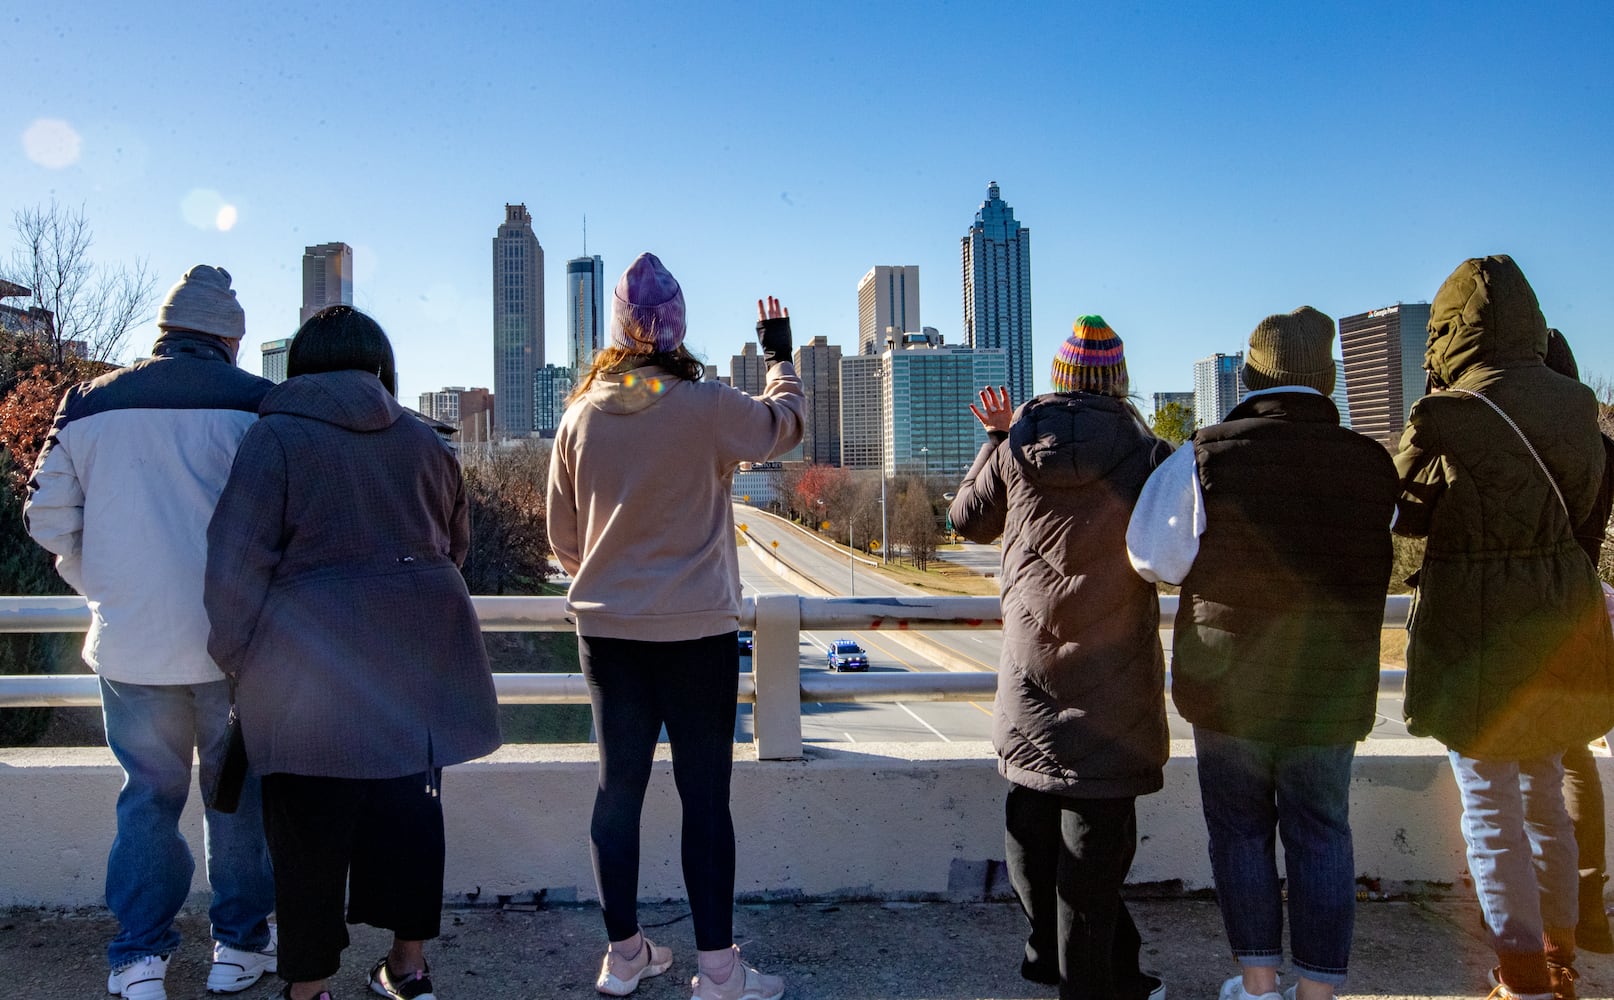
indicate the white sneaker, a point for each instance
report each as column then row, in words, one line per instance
column 1233, row 989
column 234, row 970
column 619, row 977
column 744, row 983
column 142, row 980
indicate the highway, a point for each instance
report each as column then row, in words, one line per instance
column 919, row 721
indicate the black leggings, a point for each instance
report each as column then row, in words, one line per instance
column 378, row 842
column 636, row 687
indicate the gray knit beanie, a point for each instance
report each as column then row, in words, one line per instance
column 203, row 301
column 1292, row 349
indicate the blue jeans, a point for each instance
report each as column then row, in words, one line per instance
column 1521, row 848
column 1249, row 789
column 153, row 730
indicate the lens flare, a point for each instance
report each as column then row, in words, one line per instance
column 52, row 143
column 225, row 220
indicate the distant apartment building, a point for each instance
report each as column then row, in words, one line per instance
column 585, row 310
column 327, row 279
column 1218, row 387
column 1182, row 399
column 34, row 320
column 887, row 299
column 1340, row 402
column 551, row 384
column 274, row 359
column 860, row 410
column 518, row 321
column 997, row 289
column 1383, row 360
column 925, row 406
column 748, row 370
column 818, row 364
column 468, row 410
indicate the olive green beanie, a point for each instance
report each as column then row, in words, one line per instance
column 1292, row 349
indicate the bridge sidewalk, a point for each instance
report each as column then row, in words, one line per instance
column 845, row 951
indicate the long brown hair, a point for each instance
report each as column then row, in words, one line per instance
column 677, row 362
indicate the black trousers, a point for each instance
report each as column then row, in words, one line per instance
column 636, row 687
column 378, row 842
column 1068, row 859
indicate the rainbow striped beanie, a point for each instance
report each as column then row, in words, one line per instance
column 1091, row 359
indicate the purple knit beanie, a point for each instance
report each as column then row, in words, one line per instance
column 647, row 309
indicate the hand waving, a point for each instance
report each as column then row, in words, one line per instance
column 995, row 413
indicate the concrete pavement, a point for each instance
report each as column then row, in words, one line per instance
column 830, row 950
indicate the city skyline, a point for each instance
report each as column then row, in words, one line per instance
column 996, row 268
column 1183, row 189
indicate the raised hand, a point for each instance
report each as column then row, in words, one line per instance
column 773, row 311
column 995, row 413
column 773, row 331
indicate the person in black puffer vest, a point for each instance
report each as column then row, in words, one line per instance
column 1079, row 723
column 1276, row 522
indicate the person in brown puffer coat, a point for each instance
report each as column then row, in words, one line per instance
column 1509, row 654
column 1079, row 723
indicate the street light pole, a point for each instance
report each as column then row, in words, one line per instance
column 885, row 383
column 851, row 550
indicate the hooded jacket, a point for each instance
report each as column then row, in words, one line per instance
column 1509, row 651
column 122, row 493
column 640, row 512
column 334, row 591
column 1080, row 707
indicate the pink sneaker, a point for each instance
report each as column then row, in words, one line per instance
column 620, row 976
column 744, row 983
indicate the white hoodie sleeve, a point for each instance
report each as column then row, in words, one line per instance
column 1162, row 539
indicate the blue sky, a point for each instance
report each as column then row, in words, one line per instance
column 1185, row 169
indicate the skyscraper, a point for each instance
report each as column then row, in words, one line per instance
column 585, row 310
column 274, row 358
column 926, row 419
column 518, row 321
column 470, row 410
column 818, row 363
column 1383, row 358
column 1218, row 387
column 327, row 278
column 860, row 411
column 1341, row 402
column 887, row 297
column 551, row 384
column 748, row 370
column 997, row 289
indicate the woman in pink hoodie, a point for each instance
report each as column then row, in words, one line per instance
column 640, row 515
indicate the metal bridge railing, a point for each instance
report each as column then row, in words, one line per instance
column 776, row 685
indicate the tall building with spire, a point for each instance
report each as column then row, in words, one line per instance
column 585, row 310
column 887, row 299
column 997, row 289
column 327, row 278
column 518, row 321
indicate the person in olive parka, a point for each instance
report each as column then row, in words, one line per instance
column 1509, row 655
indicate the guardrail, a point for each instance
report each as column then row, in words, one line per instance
column 776, row 685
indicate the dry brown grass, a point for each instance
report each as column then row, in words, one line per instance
column 940, row 577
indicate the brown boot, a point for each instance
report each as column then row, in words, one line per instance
column 1563, row 981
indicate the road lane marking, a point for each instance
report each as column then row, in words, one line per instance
column 939, row 734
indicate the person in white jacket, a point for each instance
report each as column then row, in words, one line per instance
column 122, row 494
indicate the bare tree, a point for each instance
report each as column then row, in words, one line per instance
column 85, row 308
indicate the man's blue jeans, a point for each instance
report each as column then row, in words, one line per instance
column 153, row 731
column 1249, row 789
column 1521, row 848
